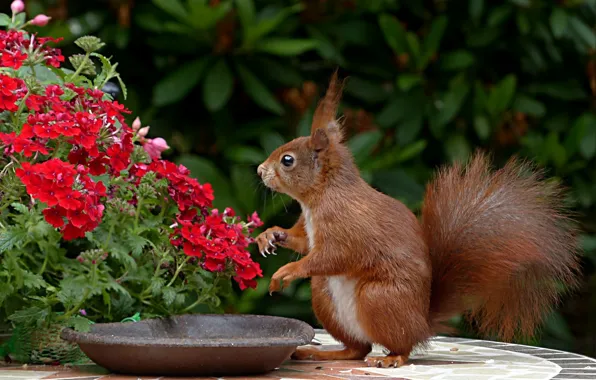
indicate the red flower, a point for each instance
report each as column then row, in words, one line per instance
column 9, row 92
column 13, row 60
column 55, row 216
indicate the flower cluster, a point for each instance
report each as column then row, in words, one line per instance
column 216, row 240
column 69, row 194
column 62, row 136
column 17, row 49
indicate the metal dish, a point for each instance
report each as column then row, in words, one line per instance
column 193, row 345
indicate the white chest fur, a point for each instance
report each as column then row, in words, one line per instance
column 308, row 226
column 341, row 289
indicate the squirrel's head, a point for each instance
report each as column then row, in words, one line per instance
column 307, row 164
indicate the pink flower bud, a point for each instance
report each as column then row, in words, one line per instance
column 136, row 124
column 229, row 212
column 83, row 312
column 143, row 132
column 40, row 20
column 154, row 147
column 17, row 6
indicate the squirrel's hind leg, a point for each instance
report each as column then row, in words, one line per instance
column 323, row 307
column 396, row 317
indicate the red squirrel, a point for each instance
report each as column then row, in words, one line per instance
column 491, row 244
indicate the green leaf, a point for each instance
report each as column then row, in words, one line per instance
column 5, row 19
column 266, row 26
column 584, row 32
column 325, row 46
column 245, row 180
column 136, row 244
column 246, row 13
column 286, row 46
column 271, row 141
column 555, row 150
column 363, row 144
column 79, row 323
column 475, row 8
column 30, row 316
column 413, row 45
column 410, row 151
column 204, row 16
column 304, row 125
column 257, row 91
column 433, row 40
column 122, row 87
column 409, row 129
column 245, row 155
column 218, row 86
column 558, row 22
column 499, row 15
column 11, row 238
column 527, row 105
column 523, row 23
column 156, row 285
column 451, row 103
column 406, row 81
column 399, row 184
column 366, row 90
column 570, row 90
column 482, row 127
column 521, row 3
column 457, row 148
column 173, row 7
column 177, row 84
column 168, row 295
column 33, row 281
column 501, row 95
column 394, row 33
column 587, row 146
column 457, row 60
column 20, row 208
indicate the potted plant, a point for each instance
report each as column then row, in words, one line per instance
column 94, row 225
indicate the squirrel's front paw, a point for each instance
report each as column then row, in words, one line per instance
column 285, row 274
column 268, row 240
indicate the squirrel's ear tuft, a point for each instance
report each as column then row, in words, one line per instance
column 319, row 140
column 325, row 114
column 335, row 132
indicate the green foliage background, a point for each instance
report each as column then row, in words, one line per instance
column 226, row 82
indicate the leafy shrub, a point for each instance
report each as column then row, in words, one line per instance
column 94, row 225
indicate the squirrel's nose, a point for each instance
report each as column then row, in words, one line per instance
column 260, row 170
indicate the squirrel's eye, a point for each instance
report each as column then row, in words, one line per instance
column 287, row 160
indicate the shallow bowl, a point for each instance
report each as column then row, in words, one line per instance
column 193, row 345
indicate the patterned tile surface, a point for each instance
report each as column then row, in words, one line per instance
column 444, row 359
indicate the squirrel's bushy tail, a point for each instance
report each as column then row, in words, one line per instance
column 501, row 245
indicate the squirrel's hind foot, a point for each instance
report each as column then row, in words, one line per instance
column 391, row 360
column 310, row 353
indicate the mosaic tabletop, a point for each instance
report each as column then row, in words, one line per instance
column 444, row 358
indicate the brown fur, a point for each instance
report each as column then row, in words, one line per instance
column 496, row 240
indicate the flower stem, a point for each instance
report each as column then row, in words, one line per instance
column 178, row 269
column 199, row 301
column 138, row 213
column 21, row 107
column 45, row 264
column 32, row 66
column 81, row 66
